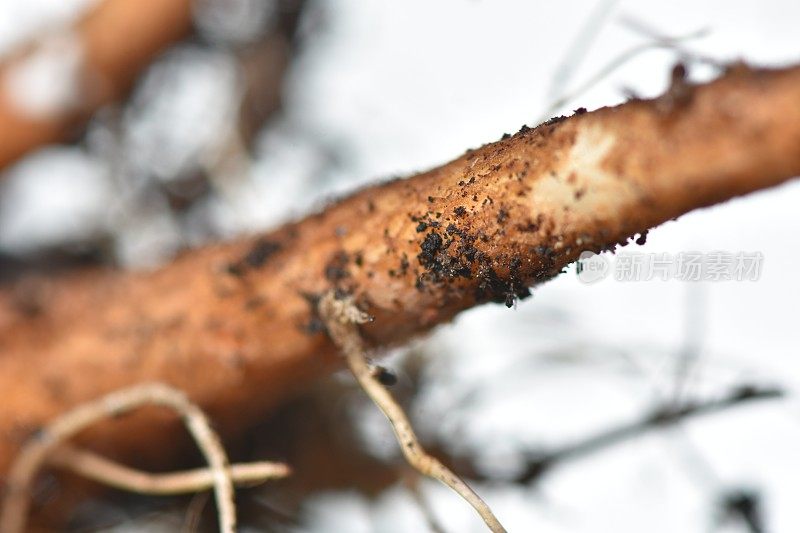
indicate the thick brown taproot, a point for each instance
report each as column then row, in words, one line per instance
column 234, row 325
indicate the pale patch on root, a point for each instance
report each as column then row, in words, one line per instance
column 580, row 191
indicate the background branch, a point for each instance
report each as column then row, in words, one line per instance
column 104, row 54
column 663, row 417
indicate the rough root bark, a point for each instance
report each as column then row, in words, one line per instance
column 234, row 325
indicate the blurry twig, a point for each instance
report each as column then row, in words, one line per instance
column 659, row 42
column 341, row 318
column 642, row 28
column 746, row 505
column 662, row 417
column 665, row 416
column 116, row 40
column 577, row 50
column 16, row 502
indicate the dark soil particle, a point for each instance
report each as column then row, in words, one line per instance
column 460, row 211
column 235, row 269
column 502, row 215
column 544, row 251
column 493, row 288
column 340, row 293
column 554, row 120
column 260, row 252
column 336, row 269
column 679, row 94
column 430, row 245
column 256, row 257
column 528, row 227
column 314, row 325
column 439, row 265
column 422, row 226
column 404, row 264
column 642, row 238
column 384, row 376
column 452, row 255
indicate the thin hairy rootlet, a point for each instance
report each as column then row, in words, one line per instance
column 342, row 318
column 234, row 325
column 21, row 477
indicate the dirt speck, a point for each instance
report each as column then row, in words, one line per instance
column 336, row 268
column 430, row 245
column 260, row 252
column 256, row 257
column 384, row 375
column 679, row 93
